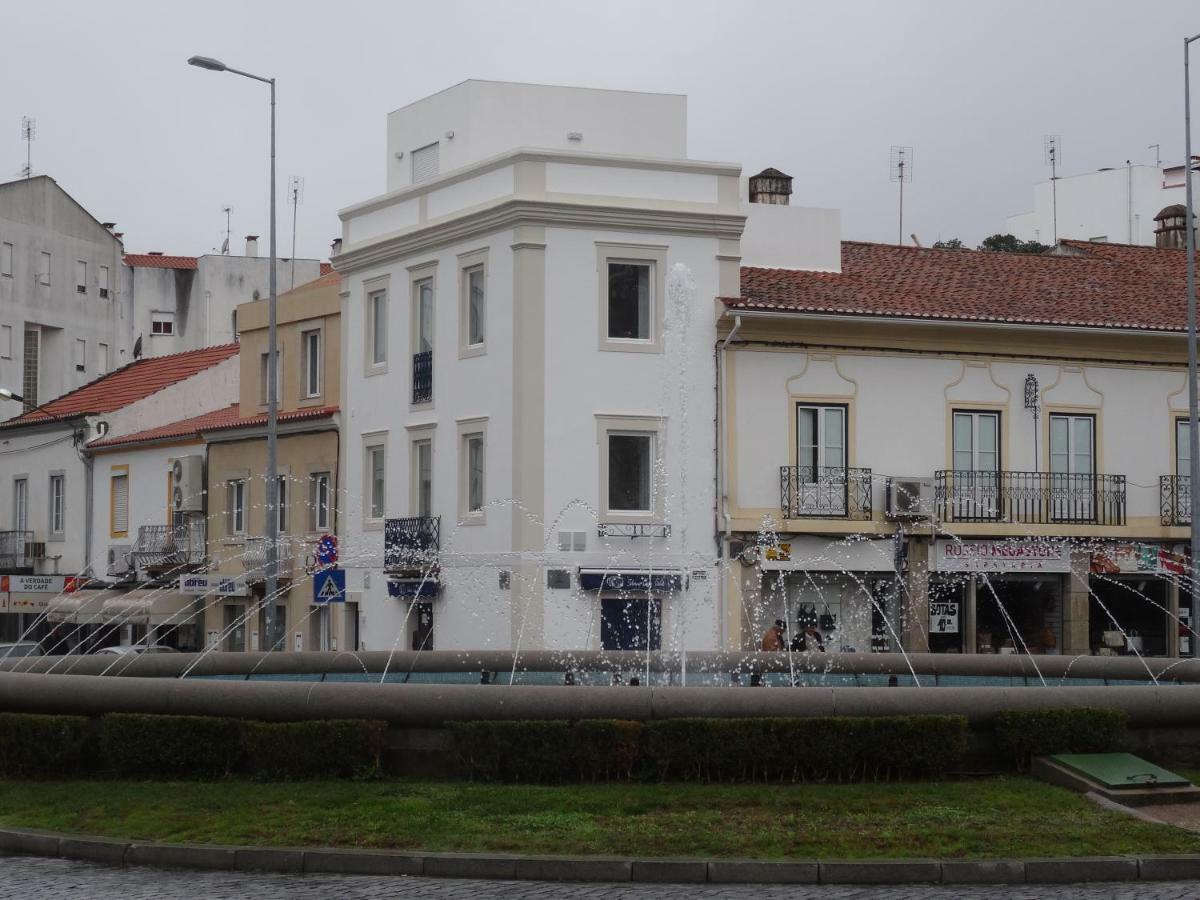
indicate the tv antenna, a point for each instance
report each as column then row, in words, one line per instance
column 901, row 171
column 228, row 210
column 28, row 135
column 295, row 197
column 1052, row 146
column 1157, row 154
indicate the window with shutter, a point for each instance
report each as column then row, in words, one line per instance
column 425, row 161
column 119, row 524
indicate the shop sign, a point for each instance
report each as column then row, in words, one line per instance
column 221, row 585
column 25, row 603
column 943, row 616
column 596, row 580
column 37, row 584
column 781, row 552
column 1119, row 558
column 1002, row 556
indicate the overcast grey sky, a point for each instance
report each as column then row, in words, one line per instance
column 818, row 89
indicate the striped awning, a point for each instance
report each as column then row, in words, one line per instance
column 79, row 608
column 150, row 607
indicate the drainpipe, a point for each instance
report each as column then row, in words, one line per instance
column 722, row 476
column 89, row 463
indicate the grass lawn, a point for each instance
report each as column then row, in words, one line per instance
column 994, row 817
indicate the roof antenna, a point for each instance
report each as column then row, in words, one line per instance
column 901, row 171
column 296, row 197
column 228, row 210
column 28, row 135
column 1052, row 145
column 1157, row 154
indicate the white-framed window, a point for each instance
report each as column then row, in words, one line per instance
column 426, row 162
column 310, row 341
column 472, row 307
column 422, row 287
column 1183, row 448
column 58, row 504
column 820, row 440
column 6, row 259
column 630, row 451
column 102, row 358
column 320, row 497
column 21, row 503
column 631, row 296
column 236, row 505
column 976, row 441
column 264, row 376
column 43, row 267
column 80, row 276
column 423, row 316
column 6, row 341
column 162, row 323
column 281, row 520
column 103, row 281
column 1072, row 444
column 472, row 477
column 80, row 355
column 375, row 469
column 422, row 475
column 377, row 328
column 118, row 492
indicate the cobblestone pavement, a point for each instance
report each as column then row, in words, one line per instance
column 59, row 879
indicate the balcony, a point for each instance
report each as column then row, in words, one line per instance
column 254, row 557
column 422, row 377
column 411, row 543
column 1034, row 498
column 14, row 550
column 825, row 492
column 1175, row 499
column 170, row 546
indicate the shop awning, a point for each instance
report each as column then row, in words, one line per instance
column 149, row 607
column 629, row 580
column 413, row 587
column 80, row 608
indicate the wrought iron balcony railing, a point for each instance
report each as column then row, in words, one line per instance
column 422, row 377
column 254, row 557
column 1175, row 499
column 825, row 492
column 181, row 544
column 13, row 549
column 1029, row 497
column 412, row 542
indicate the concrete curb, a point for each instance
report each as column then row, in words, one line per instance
column 29, row 842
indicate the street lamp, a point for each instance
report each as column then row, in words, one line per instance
column 1193, row 425
column 270, row 624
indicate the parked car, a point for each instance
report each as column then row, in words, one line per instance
column 123, row 651
column 20, row 648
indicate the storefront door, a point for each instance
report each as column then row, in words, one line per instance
column 630, row 623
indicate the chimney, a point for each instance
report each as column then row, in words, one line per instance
column 109, row 225
column 155, row 253
column 1170, row 230
column 335, row 246
column 252, row 245
column 770, row 186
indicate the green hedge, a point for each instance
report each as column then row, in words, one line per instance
column 33, row 746
column 1024, row 734
column 170, row 746
column 747, row 750
column 335, row 748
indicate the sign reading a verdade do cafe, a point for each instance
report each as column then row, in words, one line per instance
column 1002, row 556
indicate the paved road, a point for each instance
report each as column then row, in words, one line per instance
column 59, row 879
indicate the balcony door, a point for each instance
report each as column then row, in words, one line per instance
column 975, row 488
column 820, row 479
column 1073, row 467
column 1181, row 496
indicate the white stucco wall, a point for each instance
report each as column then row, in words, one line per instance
column 211, row 389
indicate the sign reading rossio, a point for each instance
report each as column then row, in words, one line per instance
column 1002, row 556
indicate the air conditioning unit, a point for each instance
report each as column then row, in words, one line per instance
column 910, row 498
column 119, row 559
column 35, row 549
column 187, row 484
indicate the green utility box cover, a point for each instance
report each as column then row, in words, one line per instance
column 1119, row 770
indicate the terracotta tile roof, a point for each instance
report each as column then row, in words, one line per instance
column 128, row 384
column 294, row 415
column 184, row 428
column 158, row 261
column 326, row 268
column 229, row 417
column 1086, row 285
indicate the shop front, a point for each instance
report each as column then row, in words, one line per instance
column 999, row 596
column 1134, row 599
column 835, row 595
column 155, row 616
column 631, row 605
column 24, row 600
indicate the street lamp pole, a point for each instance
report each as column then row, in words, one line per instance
column 271, row 625
column 1193, row 424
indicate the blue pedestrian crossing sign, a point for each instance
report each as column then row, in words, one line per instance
column 329, row 586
